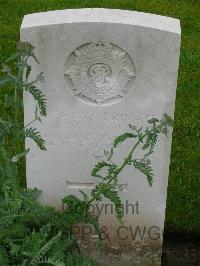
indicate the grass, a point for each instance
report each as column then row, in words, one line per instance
column 182, row 214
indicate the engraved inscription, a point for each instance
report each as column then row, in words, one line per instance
column 110, row 125
column 99, row 72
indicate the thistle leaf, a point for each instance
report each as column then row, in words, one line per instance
column 98, row 167
column 151, row 140
column 35, row 135
column 40, row 98
column 40, row 254
column 145, row 169
column 168, row 120
column 108, row 154
column 28, row 71
column 109, row 191
column 122, row 138
column 52, row 261
column 153, row 120
column 85, row 196
column 25, row 48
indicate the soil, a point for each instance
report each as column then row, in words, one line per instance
column 177, row 251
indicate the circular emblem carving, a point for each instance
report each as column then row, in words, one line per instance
column 99, row 72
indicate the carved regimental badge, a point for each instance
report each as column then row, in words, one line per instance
column 99, row 72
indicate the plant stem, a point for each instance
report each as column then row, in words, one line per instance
column 31, row 122
column 127, row 159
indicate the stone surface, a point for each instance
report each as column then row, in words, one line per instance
column 99, row 72
column 103, row 69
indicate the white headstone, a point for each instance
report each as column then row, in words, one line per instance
column 103, row 69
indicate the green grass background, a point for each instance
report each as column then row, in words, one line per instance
column 183, row 200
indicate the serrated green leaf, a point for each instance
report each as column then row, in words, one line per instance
column 85, row 196
column 35, row 58
column 25, row 48
column 109, row 154
column 169, row 121
column 53, row 261
column 153, row 120
column 98, row 167
column 44, row 249
column 111, row 193
column 35, row 135
column 132, row 127
column 40, row 98
column 28, row 71
column 145, row 169
column 122, row 138
column 150, row 140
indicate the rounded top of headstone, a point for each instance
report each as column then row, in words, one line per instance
column 101, row 15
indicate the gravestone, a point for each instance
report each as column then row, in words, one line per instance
column 103, row 69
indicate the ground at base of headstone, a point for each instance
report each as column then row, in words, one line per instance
column 137, row 255
column 177, row 252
